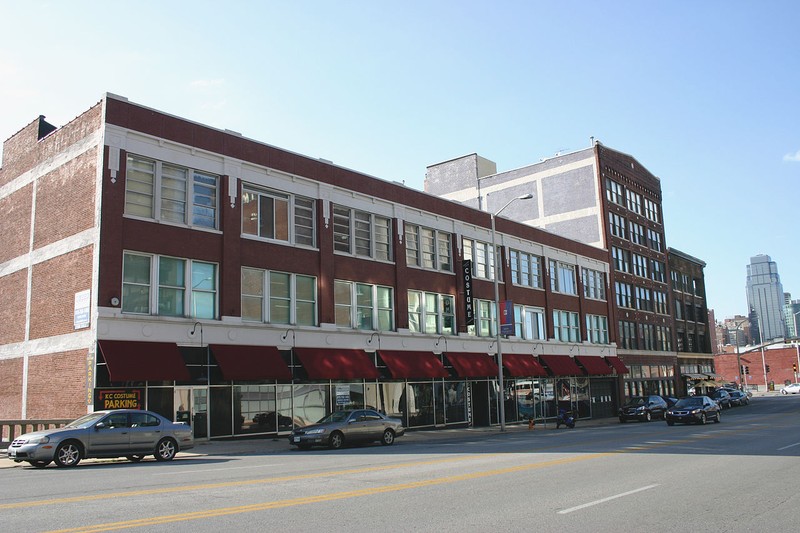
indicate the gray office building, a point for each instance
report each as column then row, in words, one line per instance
column 765, row 297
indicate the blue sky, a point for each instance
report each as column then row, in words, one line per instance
column 703, row 94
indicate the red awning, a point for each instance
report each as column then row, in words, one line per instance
column 472, row 365
column 523, row 365
column 595, row 366
column 143, row 361
column 411, row 365
column 322, row 363
column 250, row 363
column 617, row 364
column 561, row 365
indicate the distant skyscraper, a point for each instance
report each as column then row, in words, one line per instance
column 765, row 297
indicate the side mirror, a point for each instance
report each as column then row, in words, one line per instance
column 99, row 426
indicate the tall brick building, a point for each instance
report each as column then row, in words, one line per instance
column 153, row 261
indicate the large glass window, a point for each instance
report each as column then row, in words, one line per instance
column 637, row 233
column 597, row 329
column 623, row 292
column 526, row 269
column 173, row 296
column 594, row 284
column 278, row 297
column 482, row 258
column 278, row 216
column 562, row 277
column 361, row 234
column 428, row 248
column 634, row 201
column 566, row 326
column 529, row 323
column 170, row 193
column 431, row 313
column 614, row 191
column 485, row 313
column 617, row 225
column 364, row 306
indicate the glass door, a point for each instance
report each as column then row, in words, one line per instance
column 192, row 407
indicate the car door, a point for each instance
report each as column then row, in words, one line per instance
column 657, row 406
column 374, row 425
column 110, row 436
column 145, row 431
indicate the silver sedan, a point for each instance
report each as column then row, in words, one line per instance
column 356, row 425
column 117, row 433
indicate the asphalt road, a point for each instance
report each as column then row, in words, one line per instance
column 737, row 476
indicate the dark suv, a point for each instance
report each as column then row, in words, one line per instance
column 722, row 397
column 644, row 408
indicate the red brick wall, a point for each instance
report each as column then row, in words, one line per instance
column 57, row 385
column 780, row 361
column 65, row 200
column 11, row 389
column 15, row 212
column 23, row 151
column 54, row 284
column 13, row 287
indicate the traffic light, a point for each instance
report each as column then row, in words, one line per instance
column 794, row 367
column 741, row 369
column 747, row 370
column 767, row 369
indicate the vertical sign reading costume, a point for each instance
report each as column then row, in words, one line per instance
column 469, row 311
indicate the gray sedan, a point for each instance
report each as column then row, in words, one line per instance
column 357, row 425
column 118, row 433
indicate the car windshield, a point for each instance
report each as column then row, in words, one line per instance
column 336, row 416
column 690, row 402
column 637, row 400
column 86, row 420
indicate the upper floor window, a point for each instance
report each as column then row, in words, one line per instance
column 637, row 233
column 614, row 191
column 657, row 273
column 170, row 193
column 644, row 300
column 622, row 259
column 566, row 326
column 634, row 201
column 640, row 264
column 597, row 329
column 660, row 302
column 526, row 269
column 617, row 225
column 594, row 284
column 651, row 210
column 428, row 248
column 627, row 335
column 278, row 297
column 482, row 258
column 485, row 319
column 654, row 240
column 529, row 323
column 562, row 277
column 364, row 306
column 168, row 286
column 278, row 216
column 361, row 233
column 623, row 294
column 431, row 313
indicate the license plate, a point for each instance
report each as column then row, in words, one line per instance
column 296, row 439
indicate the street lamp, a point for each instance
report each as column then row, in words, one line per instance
column 208, row 378
column 501, row 393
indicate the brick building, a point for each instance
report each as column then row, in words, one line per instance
column 153, row 261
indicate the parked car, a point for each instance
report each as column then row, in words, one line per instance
column 722, row 397
column 127, row 433
column 792, row 388
column 739, row 398
column 643, row 408
column 693, row 410
column 670, row 400
column 354, row 425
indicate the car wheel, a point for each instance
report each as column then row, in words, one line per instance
column 783, row 391
column 703, row 418
column 68, row 454
column 39, row 464
column 166, row 450
column 135, row 458
column 648, row 416
column 717, row 419
column 337, row 440
column 388, row 438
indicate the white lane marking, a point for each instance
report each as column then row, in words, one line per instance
column 211, row 470
column 789, row 446
column 596, row 502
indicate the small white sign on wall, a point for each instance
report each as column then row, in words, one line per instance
column 83, row 306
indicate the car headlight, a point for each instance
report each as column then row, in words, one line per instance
column 41, row 439
column 639, row 409
column 315, row 431
column 696, row 411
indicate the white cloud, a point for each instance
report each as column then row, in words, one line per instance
column 792, row 158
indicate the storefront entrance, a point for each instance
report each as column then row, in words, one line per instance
column 191, row 406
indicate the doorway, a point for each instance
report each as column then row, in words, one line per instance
column 191, row 406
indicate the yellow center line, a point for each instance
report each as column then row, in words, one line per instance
column 264, row 506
